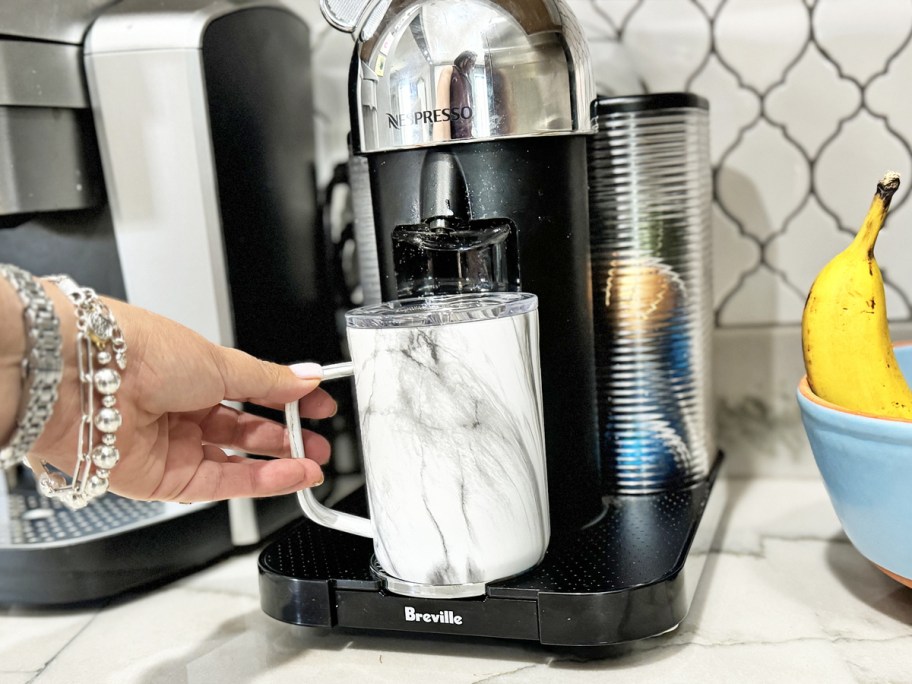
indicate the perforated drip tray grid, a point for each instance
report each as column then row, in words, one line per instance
column 33, row 519
column 50, row 555
column 629, row 575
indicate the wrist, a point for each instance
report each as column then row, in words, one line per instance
column 12, row 351
column 40, row 367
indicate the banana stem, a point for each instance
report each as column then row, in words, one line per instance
column 877, row 213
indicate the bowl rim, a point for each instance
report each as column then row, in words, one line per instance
column 804, row 389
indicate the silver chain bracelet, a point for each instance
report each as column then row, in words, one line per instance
column 42, row 365
column 99, row 341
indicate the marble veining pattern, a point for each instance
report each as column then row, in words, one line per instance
column 453, row 447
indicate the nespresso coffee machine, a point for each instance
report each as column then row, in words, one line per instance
column 472, row 120
column 160, row 151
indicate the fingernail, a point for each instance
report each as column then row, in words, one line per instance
column 322, row 477
column 307, row 371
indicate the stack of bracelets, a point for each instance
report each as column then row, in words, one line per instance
column 101, row 354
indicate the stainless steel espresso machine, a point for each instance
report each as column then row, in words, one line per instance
column 473, row 122
column 161, row 151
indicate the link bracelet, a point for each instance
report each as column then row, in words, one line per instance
column 42, row 365
column 99, row 340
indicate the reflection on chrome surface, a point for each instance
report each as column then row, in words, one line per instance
column 436, row 71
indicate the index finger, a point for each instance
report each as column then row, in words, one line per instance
column 247, row 378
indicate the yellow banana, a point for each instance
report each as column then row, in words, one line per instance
column 845, row 337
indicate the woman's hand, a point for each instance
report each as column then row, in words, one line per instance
column 175, row 429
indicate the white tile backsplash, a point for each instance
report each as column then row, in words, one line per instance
column 733, row 107
column 809, row 106
column 669, row 32
column 863, row 148
column 788, row 253
column 737, row 252
column 862, row 37
column 812, row 100
column 883, row 95
column 760, row 39
column 763, row 181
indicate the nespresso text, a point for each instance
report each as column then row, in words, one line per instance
column 444, row 616
column 397, row 121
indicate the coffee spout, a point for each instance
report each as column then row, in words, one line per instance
column 444, row 200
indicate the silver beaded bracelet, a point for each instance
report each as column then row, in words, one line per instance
column 42, row 365
column 99, row 341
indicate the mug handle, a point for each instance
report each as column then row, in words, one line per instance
column 313, row 509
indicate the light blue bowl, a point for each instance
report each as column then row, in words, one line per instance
column 866, row 464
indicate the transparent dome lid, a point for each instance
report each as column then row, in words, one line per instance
column 442, row 310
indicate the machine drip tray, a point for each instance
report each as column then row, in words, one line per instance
column 53, row 556
column 630, row 575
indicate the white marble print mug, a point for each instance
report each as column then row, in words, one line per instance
column 448, row 390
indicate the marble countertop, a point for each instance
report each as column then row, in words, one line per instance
column 783, row 597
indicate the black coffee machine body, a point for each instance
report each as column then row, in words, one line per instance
column 470, row 127
column 474, row 123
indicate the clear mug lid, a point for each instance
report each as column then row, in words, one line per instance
column 421, row 312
